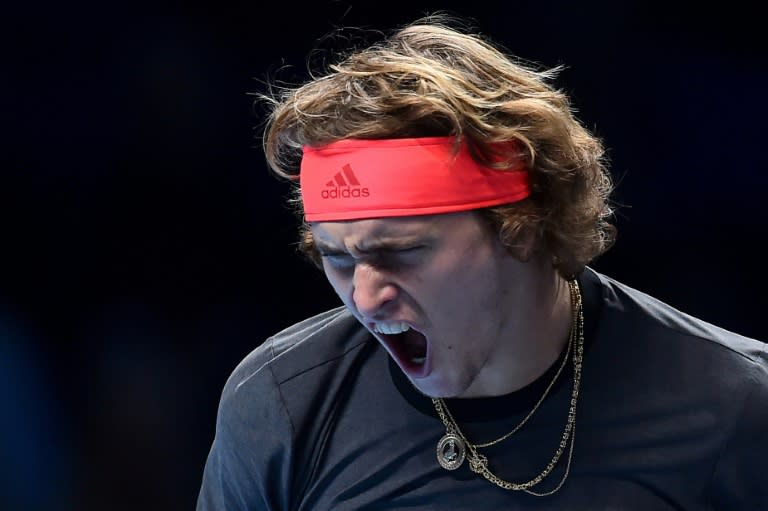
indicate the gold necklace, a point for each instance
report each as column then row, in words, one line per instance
column 454, row 447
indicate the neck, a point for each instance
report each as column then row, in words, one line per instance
column 533, row 338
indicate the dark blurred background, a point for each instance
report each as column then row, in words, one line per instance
column 146, row 249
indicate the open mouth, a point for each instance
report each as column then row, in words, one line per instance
column 407, row 346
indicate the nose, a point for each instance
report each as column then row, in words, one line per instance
column 372, row 292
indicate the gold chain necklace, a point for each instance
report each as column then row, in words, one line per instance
column 454, row 447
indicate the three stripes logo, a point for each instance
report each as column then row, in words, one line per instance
column 344, row 185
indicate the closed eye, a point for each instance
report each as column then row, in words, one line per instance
column 339, row 260
column 385, row 258
column 401, row 257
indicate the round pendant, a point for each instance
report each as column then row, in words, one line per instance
column 451, row 451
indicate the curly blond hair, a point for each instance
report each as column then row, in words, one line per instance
column 431, row 78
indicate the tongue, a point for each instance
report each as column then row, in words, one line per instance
column 414, row 345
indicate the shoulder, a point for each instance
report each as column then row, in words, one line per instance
column 308, row 344
column 264, row 406
column 668, row 367
column 288, row 374
column 623, row 306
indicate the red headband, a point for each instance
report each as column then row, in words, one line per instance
column 354, row 178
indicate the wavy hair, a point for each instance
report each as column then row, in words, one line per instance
column 431, row 78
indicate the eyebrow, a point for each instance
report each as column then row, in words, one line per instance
column 372, row 246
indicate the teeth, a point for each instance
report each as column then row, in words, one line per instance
column 396, row 327
column 418, row 360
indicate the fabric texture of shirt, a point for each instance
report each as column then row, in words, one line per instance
column 672, row 415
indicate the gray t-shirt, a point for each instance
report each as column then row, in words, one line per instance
column 672, row 415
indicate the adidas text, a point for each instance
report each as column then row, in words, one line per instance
column 345, row 193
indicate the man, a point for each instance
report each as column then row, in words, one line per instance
column 454, row 203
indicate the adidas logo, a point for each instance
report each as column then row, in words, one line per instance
column 344, row 185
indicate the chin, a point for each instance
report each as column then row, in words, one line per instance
column 435, row 389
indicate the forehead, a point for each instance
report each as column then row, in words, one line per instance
column 395, row 229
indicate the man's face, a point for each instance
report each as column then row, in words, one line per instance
column 438, row 292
